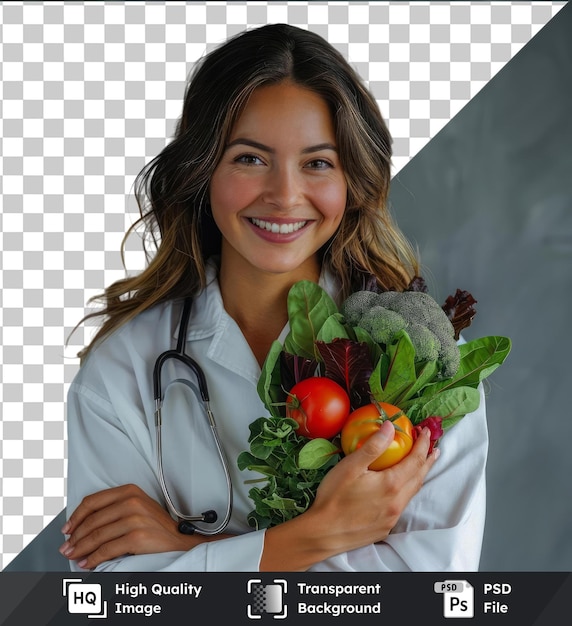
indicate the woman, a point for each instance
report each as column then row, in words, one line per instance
column 279, row 171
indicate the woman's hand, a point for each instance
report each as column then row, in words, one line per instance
column 363, row 505
column 119, row 521
column 354, row 505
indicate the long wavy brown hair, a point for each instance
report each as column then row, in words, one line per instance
column 172, row 191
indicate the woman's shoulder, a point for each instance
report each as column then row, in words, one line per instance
column 137, row 339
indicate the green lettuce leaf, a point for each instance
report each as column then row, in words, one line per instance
column 479, row 359
column 309, row 306
column 317, row 453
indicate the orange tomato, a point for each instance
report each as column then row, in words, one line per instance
column 366, row 421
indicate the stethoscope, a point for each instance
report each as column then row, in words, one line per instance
column 186, row 522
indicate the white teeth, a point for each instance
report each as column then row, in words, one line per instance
column 283, row 229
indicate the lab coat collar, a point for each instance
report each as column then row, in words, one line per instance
column 206, row 310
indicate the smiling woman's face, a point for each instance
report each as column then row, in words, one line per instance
column 279, row 191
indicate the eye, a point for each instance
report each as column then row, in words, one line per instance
column 319, row 164
column 248, row 159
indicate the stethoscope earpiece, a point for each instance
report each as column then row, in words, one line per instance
column 210, row 517
column 188, row 528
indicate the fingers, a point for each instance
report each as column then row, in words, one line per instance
column 373, row 447
column 118, row 521
column 403, row 480
column 418, row 461
column 408, row 475
column 93, row 522
column 97, row 502
column 101, row 528
column 106, row 552
column 359, row 506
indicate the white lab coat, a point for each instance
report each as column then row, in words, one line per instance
column 111, row 441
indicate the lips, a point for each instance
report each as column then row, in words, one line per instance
column 282, row 228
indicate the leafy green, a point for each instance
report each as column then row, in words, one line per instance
column 291, row 467
column 420, row 392
column 425, row 374
column 309, row 306
column 398, row 371
column 316, row 453
column 322, row 342
column 333, row 328
column 450, row 404
column 269, row 384
column 479, row 359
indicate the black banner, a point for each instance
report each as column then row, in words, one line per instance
column 59, row 599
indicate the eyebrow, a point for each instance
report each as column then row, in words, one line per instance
column 260, row 146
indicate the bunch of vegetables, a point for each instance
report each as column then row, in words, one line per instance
column 341, row 372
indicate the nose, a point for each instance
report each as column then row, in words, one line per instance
column 283, row 188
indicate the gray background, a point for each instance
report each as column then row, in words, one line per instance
column 489, row 203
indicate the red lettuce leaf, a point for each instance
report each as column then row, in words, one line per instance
column 369, row 283
column 295, row 368
column 349, row 364
column 417, row 284
column 459, row 309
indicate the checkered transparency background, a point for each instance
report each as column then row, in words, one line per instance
column 89, row 94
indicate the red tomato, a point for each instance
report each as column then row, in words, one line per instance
column 319, row 405
column 366, row 421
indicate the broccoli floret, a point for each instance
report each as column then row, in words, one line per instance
column 427, row 325
column 382, row 324
column 415, row 306
column 425, row 342
column 421, row 308
column 450, row 357
column 356, row 304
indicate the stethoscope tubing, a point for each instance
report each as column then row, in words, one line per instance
column 187, row 522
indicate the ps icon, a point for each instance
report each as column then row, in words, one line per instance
column 458, row 598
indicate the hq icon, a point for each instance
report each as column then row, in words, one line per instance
column 84, row 598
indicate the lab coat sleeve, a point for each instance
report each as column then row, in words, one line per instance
column 442, row 527
column 96, row 435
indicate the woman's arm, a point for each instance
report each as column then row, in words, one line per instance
column 441, row 525
column 124, row 520
column 354, row 506
column 119, row 521
column 116, row 526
